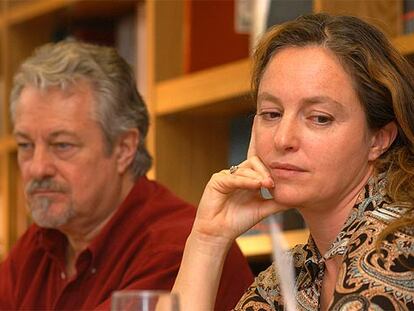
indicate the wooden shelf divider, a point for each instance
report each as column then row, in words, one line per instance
column 7, row 144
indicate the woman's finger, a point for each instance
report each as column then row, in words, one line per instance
column 255, row 168
column 270, row 207
column 254, row 173
column 226, row 183
column 252, row 145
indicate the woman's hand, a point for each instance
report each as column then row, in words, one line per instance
column 231, row 203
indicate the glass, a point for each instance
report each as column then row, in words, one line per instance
column 144, row 300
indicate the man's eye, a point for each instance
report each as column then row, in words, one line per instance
column 62, row 146
column 270, row 115
column 24, row 146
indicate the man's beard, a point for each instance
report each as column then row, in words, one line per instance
column 40, row 206
column 41, row 215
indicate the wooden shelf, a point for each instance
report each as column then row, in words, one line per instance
column 261, row 244
column 23, row 12
column 203, row 88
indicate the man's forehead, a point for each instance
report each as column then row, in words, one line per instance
column 55, row 98
column 51, row 134
column 53, row 106
column 63, row 90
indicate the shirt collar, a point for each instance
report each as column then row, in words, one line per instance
column 53, row 242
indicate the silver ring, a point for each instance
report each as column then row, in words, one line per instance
column 233, row 169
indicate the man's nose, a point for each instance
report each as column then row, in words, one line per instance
column 42, row 163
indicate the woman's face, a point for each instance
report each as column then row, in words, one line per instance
column 310, row 128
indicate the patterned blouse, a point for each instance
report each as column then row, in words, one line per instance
column 366, row 280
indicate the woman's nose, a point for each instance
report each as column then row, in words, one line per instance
column 287, row 135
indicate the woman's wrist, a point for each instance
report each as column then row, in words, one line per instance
column 209, row 245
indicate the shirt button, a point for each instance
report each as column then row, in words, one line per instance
column 93, row 270
column 62, row 275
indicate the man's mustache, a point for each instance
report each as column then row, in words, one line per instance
column 44, row 184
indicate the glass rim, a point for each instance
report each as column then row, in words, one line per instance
column 143, row 292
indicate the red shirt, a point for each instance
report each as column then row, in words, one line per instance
column 139, row 248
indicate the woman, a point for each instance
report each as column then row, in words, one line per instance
column 333, row 137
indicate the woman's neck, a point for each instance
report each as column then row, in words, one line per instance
column 325, row 227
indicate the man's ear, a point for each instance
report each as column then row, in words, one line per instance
column 382, row 140
column 126, row 149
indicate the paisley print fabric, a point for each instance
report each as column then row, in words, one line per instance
column 368, row 279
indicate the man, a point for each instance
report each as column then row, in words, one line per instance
column 100, row 224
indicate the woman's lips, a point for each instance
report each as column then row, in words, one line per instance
column 286, row 170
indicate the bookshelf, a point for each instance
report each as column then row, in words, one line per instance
column 190, row 113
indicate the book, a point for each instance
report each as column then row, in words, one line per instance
column 210, row 38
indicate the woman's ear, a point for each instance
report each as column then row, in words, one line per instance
column 127, row 149
column 382, row 140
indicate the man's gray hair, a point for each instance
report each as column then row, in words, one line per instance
column 118, row 105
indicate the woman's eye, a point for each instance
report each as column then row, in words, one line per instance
column 321, row 119
column 270, row 115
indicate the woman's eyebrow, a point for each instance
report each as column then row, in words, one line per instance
column 322, row 100
column 268, row 97
column 313, row 100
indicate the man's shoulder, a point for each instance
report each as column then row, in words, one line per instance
column 172, row 226
column 30, row 237
column 156, row 190
column 26, row 244
column 162, row 206
column 154, row 214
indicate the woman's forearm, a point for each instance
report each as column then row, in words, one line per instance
column 200, row 272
